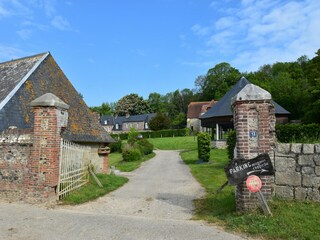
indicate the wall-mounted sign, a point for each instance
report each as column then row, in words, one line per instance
column 240, row 169
column 253, row 134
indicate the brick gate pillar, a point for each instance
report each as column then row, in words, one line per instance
column 254, row 122
column 50, row 116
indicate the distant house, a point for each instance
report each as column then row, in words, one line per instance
column 117, row 124
column 195, row 110
column 220, row 116
column 25, row 79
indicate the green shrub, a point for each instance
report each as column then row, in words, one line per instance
column 204, row 142
column 133, row 136
column 145, row 146
column 116, row 146
column 303, row 133
column 231, row 143
column 131, row 154
column 119, row 136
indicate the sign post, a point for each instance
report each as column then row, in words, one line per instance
column 254, row 185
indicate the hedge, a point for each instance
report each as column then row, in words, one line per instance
column 155, row 134
column 302, row 133
column 204, row 146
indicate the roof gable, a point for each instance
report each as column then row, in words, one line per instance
column 14, row 73
column 195, row 109
column 45, row 76
column 223, row 107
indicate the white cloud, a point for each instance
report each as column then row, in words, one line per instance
column 199, row 30
column 60, row 23
column 8, row 53
column 257, row 32
column 139, row 52
column 24, row 33
column 3, row 11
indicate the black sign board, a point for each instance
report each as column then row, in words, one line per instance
column 239, row 169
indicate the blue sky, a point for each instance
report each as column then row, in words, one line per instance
column 111, row 48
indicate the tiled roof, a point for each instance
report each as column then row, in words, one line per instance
column 223, row 107
column 26, row 79
column 195, row 109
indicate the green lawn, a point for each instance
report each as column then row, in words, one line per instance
column 174, row 143
column 115, row 159
column 92, row 191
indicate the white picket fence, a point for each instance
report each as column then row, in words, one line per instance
column 74, row 162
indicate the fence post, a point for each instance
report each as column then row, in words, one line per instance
column 50, row 116
column 254, row 121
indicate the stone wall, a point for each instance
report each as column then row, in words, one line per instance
column 297, row 173
column 15, row 152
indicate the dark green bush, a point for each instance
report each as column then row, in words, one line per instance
column 131, row 154
column 303, row 133
column 231, row 143
column 116, row 146
column 119, row 136
column 155, row 134
column 204, row 146
column 145, row 146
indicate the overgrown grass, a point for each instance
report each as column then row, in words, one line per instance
column 174, row 143
column 290, row 220
column 115, row 159
column 92, row 190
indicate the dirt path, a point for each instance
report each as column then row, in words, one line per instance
column 155, row 204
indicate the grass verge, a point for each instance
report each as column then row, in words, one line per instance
column 92, row 191
column 290, row 220
column 174, row 143
column 115, row 159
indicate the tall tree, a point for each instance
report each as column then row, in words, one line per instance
column 104, row 109
column 132, row 104
column 157, row 102
column 312, row 113
column 217, row 82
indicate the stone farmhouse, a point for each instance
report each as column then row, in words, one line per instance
column 195, row 110
column 118, row 124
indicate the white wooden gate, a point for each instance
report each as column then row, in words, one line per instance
column 74, row 162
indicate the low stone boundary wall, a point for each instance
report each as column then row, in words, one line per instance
column 297, row 175
column 15, row 152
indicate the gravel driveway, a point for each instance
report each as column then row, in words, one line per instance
column 156, row 203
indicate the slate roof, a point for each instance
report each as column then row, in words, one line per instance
column 223, row 107
column 195, row 109
column 112, row 120
column 25, row 79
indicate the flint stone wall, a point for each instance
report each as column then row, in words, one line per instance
column 15, row 152
column 297, row 171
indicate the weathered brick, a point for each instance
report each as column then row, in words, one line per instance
column 308, row 170
column 317, row 170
